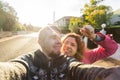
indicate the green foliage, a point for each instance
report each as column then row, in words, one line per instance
column 7, row 17
column 64, row 29
column 95, row 14
column 9, row 20
column 30, row 27
column 118, row 26
column 75, row 24
column 19, row 27
column 74, row 29
column 117, row 23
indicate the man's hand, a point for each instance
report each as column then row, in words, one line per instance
column 115, row 75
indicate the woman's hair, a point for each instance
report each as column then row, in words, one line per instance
column 80, row 44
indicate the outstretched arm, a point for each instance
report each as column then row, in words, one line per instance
column 12, row 71
column 93, row 72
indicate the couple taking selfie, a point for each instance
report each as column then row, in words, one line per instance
column 63, row 59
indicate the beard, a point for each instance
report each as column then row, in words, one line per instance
column 54, row 55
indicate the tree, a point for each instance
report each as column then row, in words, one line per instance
column 7, row 17
column 2, row 19
column 75, row 24
column 96, row 14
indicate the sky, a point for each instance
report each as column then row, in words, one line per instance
column 44, row 12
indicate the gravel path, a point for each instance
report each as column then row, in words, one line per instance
column 13, row 47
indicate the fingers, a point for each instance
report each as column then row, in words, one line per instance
column 89, row 27
column 87, row 30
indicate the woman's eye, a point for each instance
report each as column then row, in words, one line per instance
column 73, row 45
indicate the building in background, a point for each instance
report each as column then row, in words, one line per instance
column 64, row 21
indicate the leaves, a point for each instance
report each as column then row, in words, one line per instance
column 96, row 15
column 8, row 18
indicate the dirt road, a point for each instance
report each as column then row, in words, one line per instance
column 12, row 47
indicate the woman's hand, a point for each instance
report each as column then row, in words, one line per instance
column 88, row 31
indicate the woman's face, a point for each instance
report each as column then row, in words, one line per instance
column 69, row 46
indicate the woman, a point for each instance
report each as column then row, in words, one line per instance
column 73, row 45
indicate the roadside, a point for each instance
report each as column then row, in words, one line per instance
column 8, row 38
column 6, row 35
column 11, row 47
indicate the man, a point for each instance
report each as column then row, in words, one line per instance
column 48, row 64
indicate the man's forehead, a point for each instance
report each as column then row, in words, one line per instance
column 55, row 32
column 47, row 31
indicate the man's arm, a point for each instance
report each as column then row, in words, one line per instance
column 92, row 72
column 12, row 71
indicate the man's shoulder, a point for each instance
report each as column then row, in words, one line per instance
column 25, row 58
